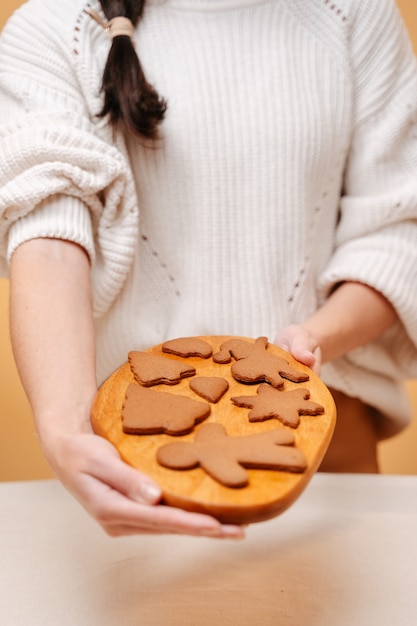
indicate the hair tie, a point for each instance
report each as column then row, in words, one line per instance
column 115, row 27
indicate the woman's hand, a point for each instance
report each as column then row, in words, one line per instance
column 53, row 342
column 121, row 499
column 352, row 316
column 302, row 344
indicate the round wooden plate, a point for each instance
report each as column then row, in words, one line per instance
column 269, row 492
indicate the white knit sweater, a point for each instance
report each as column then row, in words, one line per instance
column 288, row 163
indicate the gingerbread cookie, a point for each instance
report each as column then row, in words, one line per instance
column 225, row 457
column 147, row 412
column 149, row 369
column 188, row 347
column 254, row 364
column 286, row 406
column 211, row 388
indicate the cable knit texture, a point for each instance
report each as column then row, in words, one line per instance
column 287, row 163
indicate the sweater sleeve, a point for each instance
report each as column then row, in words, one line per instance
column 62, row 173
column 377, row 230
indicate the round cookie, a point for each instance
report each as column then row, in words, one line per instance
column 271, row 480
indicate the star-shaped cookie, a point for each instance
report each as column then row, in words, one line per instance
column 286, row 406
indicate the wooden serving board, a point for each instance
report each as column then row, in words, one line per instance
column 269, row 492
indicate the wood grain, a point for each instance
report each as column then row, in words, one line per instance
column 269, row 493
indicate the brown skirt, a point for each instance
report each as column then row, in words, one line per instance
column 354, row 447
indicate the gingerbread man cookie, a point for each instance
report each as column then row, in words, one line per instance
column 254, row 364
column 225, row 458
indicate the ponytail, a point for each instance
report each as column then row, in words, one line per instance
column 129, row 100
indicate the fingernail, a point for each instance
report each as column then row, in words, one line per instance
column 212, row 532
column 150, row 493
column 233, row 532
column 225, row 532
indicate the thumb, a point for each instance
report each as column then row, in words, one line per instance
column 127, row 480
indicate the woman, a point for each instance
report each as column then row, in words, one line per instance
column 254, row 173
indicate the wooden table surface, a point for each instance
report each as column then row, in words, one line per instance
column 345, row 554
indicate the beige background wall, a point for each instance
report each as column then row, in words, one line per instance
column 20, row 456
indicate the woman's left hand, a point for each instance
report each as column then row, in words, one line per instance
column 302, row 344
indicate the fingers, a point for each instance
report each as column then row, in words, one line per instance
column 302, row 345
column 124, row 479
column 306, row 351
column 124, row 501
column 119, row 515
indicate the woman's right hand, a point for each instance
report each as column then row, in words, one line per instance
column 54, row 347
column 120, row 498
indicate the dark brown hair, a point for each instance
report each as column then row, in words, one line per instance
column 128, row 97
